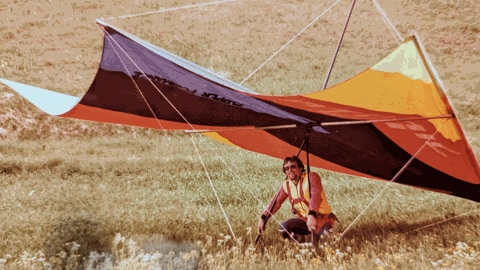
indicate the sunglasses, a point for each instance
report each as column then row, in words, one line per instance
column 291, row 167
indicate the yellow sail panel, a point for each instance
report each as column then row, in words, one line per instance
column 405, row 60
column 400, row 84
column 218, row 137
column 387, row 92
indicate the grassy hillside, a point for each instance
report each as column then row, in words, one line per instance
column 58, row 46
column 111, row 197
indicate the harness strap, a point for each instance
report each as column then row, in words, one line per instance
column 296, row 200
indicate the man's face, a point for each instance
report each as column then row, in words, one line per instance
column 292, row 171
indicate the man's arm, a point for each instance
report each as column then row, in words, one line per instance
column 316, row 189
column 272, row 207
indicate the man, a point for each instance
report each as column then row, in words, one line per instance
column 308, row 201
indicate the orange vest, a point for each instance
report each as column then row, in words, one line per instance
column 299, row 196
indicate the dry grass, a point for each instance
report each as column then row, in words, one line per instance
column 57, row 46
column 71, row 202
column 79, row 194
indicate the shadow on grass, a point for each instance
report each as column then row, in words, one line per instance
column 380, row 236
column 439, row 231
column 70, row 241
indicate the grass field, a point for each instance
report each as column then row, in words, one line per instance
column 81, row 195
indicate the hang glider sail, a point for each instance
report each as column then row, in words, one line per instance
column 370, row 126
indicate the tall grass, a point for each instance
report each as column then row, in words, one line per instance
column 79, row 195
column 71, row 202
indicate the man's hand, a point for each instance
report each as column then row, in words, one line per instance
column 311, row 223
column 261, row 226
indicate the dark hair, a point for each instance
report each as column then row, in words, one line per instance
column 296, row 160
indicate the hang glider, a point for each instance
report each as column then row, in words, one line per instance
column 370, row 125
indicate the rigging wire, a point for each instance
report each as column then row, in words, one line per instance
column 290, row 41
column 387, row 185
column 110, row 38
column 171, row 9
column 387, row 21
column 444, row 220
